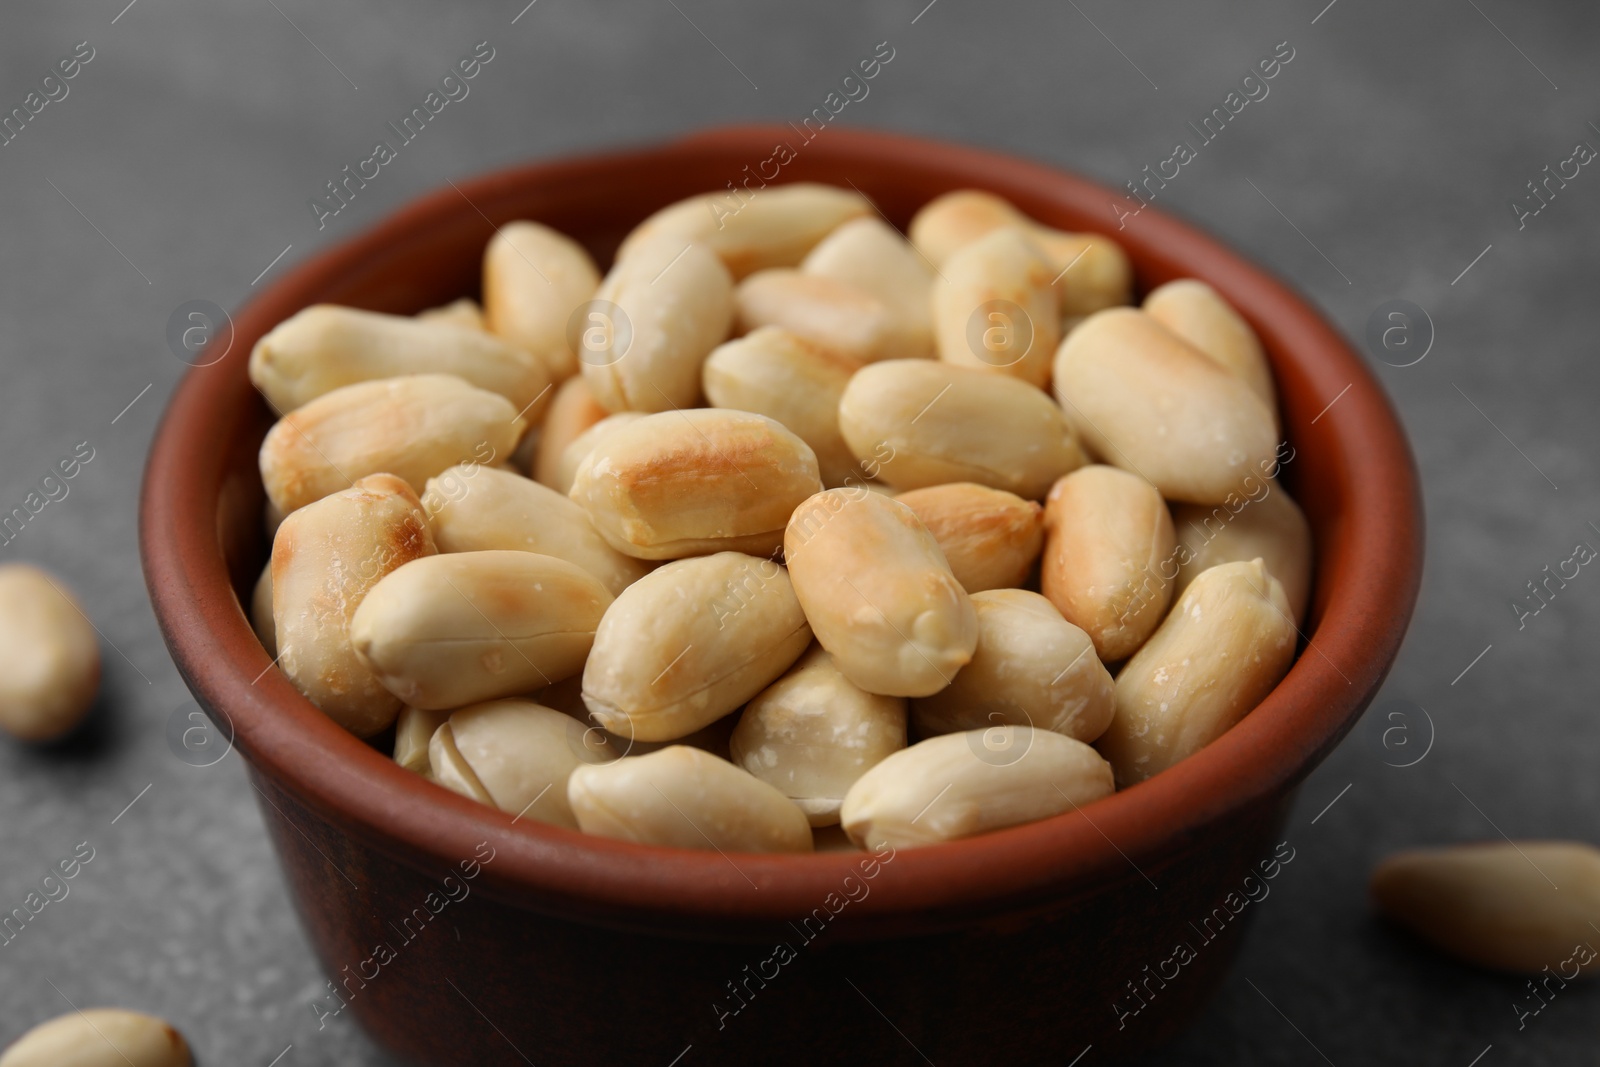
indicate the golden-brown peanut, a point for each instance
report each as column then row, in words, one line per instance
column 99, row 1037
column 682, row 797
column 752, row 230
column 783, row 376
column 878, row 592
column 454, row 629
column 261, row 611
column 517, row 756
column 49, row 656
column 917, row 422
column 1225, row 645
column 573, row 410
column 411, row 427
column 691, row 641
column 990, row 537
column 969, row 783
column 1107, row 536
column 812, row 733
column 325, row 347
column 946, row 224
column 325, row 560
column 994, row 309
column 463, row 312
column 655, row 318
column 851, row 321
column 475, row 509
column 1525, row 906
column 871, row 256
column 1197, row 313
column 1267, row 524
column 412, row 731
column 1031, row 668
column 685, row 483
column 534, row 279
column 1149, row 402
column 578, row 450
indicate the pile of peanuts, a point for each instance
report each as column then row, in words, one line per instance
column 789, row 532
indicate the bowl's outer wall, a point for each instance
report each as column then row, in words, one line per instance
column 1018, row 941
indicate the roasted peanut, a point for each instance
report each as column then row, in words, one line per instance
column 812, row 733
column 412, row 731
column 1031, row 668
column 99, row 1037
column 1227, row 642
column 1266, row 524
column 325, row 560
column 1525, row 906
column 990, row 537
column 751, row 231
column 783, row 376
column 867, row 254
column 573, row 410
column 878, row 592
column 325, row 347
column 916, row 422
column 685, row 483
column 848, row 320
column 455, row 629
column 969, row 783
column 515, row 755
column 691, row 641
column 578, row 450
column 261, row 611
column 682, row 797
column 1107, row 536
column 994, row 309
column 49, row 656
column 474, row 509
column 1148, row 401
column 411, row 427
column 534, row 279
column 463, row 312
column 1198, row 314
column 655, row 318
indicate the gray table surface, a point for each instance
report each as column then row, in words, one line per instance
column 1382, row 164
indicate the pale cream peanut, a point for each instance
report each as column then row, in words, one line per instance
column 871, row 256
column 1267, row 524
column 464, row 312
column 261, row 610
column 1197, row 313
column 994, row 308
column 413, row 729
column 534, row 279
column 99, row 1037
column 990, row 538
column 573, row 410
column 851, row 321
column 49, row 656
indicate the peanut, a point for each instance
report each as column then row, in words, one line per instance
column 1269, row 525
column 534, row 279
column 848, row 320
column 463, row 312
column 261, row 611
column 867, row 254
column 99, row 1037
column 989, row 537
column 994, row 309
column 573, row 410
column 412, row 732
column 49, row 656
column 573, row 455
column 1195, row 312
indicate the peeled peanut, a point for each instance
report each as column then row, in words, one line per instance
column 676, row 305
column 99, row 1037
column 1031, row 668
column 1267, row 524
column 812, row 733
column 463, row 312
column 534, row 279
column 469, row 626
column 578, row 450
column 413, row 729
column 1195, row 312
column 474, row 509
column 878, row 592
column 783, row 376
column 969, row 783
column 917, row 422
column 685, row 483
column 1149, row 402
column 690, row 642
column 573, row 409
column 326, row 558
column 681, row 797
column 1526, row 907
column 261, row 611
column 871, row 256
column 49, row 656
column 994, row 309
column 990, row 537
column 1107, row 536
column 411, row 427
column 851, row 321
column 325, row 347
column 751, row 230
column 1226, row 644
column 515, row 755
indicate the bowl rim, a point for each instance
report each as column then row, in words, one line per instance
column 1358, row 626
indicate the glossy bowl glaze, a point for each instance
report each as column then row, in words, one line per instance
column 456, row 935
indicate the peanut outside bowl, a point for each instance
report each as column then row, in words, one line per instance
column 1018, row 947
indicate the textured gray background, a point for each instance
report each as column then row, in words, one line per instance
column 1394, row 142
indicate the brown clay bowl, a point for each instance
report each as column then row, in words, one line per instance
column 1018, row 947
